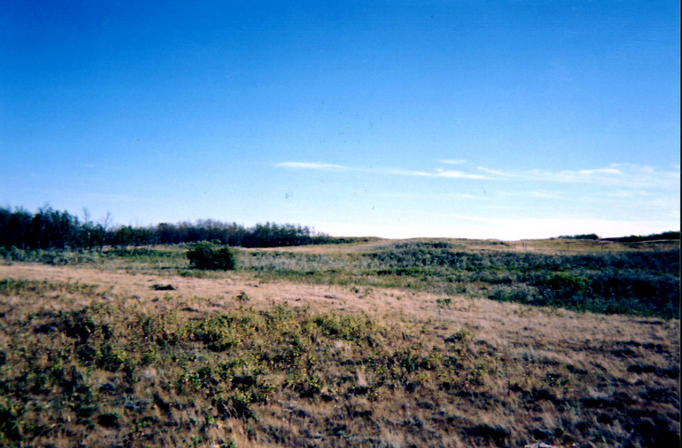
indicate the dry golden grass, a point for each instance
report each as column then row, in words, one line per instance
column 527, row 373
column 544, row 246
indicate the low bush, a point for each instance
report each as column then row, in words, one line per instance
column 205, row 255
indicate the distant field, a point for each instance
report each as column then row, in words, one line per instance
column 585, row 275
column 382, row 343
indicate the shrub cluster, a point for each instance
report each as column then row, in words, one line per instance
column 205, row 255
column 586, row 236
column 641, row 238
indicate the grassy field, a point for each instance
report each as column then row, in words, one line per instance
column 583, row 275
column 381, row 344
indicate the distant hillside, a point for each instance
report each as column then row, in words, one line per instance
column 670, row 235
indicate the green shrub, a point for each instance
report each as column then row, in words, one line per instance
column 109, row 420
column 444, row 302
column 204, row 255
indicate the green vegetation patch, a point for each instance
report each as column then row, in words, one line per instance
column 10, row 286
column 643, row 282
column 129, row 373
column 205, row 255
column 634, row 282
column 115, row 367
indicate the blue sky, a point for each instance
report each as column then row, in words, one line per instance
column 512, row 119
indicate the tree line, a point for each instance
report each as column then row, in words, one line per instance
column 55, row 229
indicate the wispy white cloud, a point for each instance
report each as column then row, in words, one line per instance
column 439, row 172
column 452, row 161
column 536, row 194
column 452, row 174
column 545, row 195
column 467, row 196
column 311, row 166
column 438, row 197
column 615, row 175
column 410, row 173
column 620, row 194
column 611, row 170
column 455, row 174
column 495, row 173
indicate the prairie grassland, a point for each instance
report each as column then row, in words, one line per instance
column 139, row 350
column 637, row 278
column 584, row 275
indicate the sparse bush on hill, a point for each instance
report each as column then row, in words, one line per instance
column 205, row 255
column 641, row 238
column 587, row 236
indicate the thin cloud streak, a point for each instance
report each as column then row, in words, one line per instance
column 450, row 174
column 536, row 194
column 409, row 173
column 453, row 161
column 312, row 166
column 454, row 174
column 616, row 175
column 430, row 197
column 600, row 171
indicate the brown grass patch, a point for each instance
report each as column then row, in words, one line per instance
column 378, row 367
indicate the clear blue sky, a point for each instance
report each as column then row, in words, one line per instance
column 482, row 119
